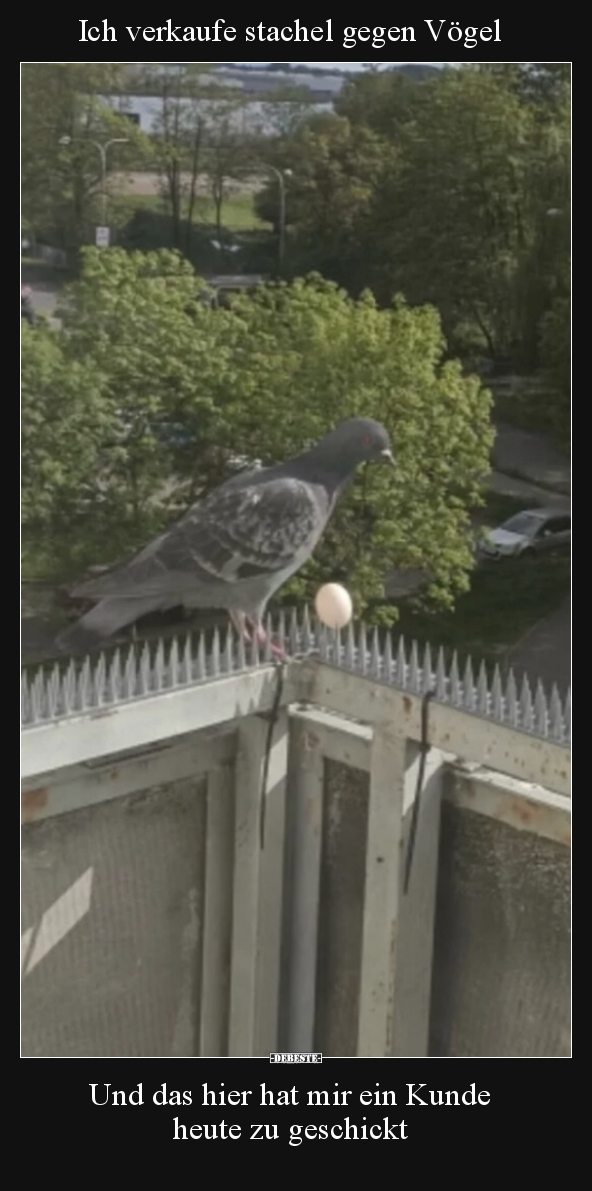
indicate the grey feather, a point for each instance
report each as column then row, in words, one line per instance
column 234, row 549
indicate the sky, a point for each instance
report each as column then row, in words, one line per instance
column 342, row 65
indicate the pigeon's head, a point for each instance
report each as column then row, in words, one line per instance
column 359, row 440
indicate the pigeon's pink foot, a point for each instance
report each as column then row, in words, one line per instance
column 279, row 654
column 247, row 629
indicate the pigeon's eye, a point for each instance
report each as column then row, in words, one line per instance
column 367, row 440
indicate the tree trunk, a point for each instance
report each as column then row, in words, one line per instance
column 195, row 155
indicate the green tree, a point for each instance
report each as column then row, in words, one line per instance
column 452, row 221
column 133, row 378
column 556, row 360
column 335, row 169
column 184, row 125
column 471, row 162
column 461, row 218
column 159, row 346
column 142, row 354
column 305, row 357
column 384, row 101
column 66, row 419
column 61, row 183
column 287, row 108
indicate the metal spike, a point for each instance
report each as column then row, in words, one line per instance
column 84, row 685
column 159, row 666
column 336, row 647
column 511, row 701
column 69, row 688
column 174, row 662
column 388, row 664
column 322, row 642
column 375, row 658
column 241, row 652
column 37, row 699
column 38, row 694
column 267, row 651
column 540, row 710
column 295, row 647
column 526, row 708
column 556, row 714
column 229, row 651
column 52, row 696
column 34, row 696
column 455, row 691
column 307, row 639
column 427, row 672
column 401, row 671
column 215, row 655
column 114, row 677
column 111, row 678
column 254, row 650
column 567, row 718
column 200, row 660
column 25, row 699
column 98, row 681
column 282, row 630
column 482, row 691
column 441, row 677
column 468, row 683
column 362, row 649
column 46, row 693
column 186, row 660
column 497, row 704
column 413, row 678
column 128, row 687
column 349, row 652
column 144, row 676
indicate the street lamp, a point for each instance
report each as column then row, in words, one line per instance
column 102, row 148
column 281, row 176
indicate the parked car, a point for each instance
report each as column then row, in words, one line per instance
column 530, row 532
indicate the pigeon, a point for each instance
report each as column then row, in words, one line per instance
column 238, row 546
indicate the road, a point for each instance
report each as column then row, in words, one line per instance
column 545, row 651
column 532, row 456
column 44, row 293
column 528, row 492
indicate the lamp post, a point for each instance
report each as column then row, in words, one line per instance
column 281, row 176
column 102, row 148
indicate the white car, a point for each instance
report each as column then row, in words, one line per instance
column 530, row 532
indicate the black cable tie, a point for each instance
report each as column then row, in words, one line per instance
column 424, row 748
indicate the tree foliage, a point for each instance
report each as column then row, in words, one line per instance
column 66, row 421
column 442, row 190
column 61, row 183
column 151, row 392
column 556, row 360
column 335, row 168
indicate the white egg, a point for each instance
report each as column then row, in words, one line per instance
column 333, row 605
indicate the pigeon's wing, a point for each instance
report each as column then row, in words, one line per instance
column 237, row 533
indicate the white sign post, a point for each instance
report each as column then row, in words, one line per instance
column 102, row 235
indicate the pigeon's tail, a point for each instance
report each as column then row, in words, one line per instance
column 100, row 623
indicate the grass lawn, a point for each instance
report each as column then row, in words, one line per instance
column 505, row 600
column 238, row 211
column 35, row 271
column 499, row 507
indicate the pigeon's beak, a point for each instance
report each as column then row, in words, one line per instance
column 386, row 456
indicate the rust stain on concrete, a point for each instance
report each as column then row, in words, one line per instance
column 32, row 802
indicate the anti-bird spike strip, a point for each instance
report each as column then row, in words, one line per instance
column 51, row 693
